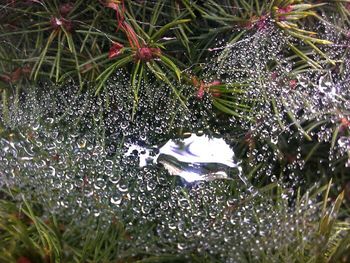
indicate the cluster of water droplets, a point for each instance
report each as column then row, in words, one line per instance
column 291, row 105
column 66, row 150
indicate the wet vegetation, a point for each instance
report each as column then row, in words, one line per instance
column 83, row 81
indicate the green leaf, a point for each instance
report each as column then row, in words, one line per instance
column 155, row 15
column 108, row 71
column 71, row 46
column 160, row 32
column 225, row 109
column 37, row 66
column 171, row 65
column 134, row 76
column 304, row 57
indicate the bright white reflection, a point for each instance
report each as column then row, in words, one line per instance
column 196, row 158
column 200, row 149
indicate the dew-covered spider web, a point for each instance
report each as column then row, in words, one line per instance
column 107, row 156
